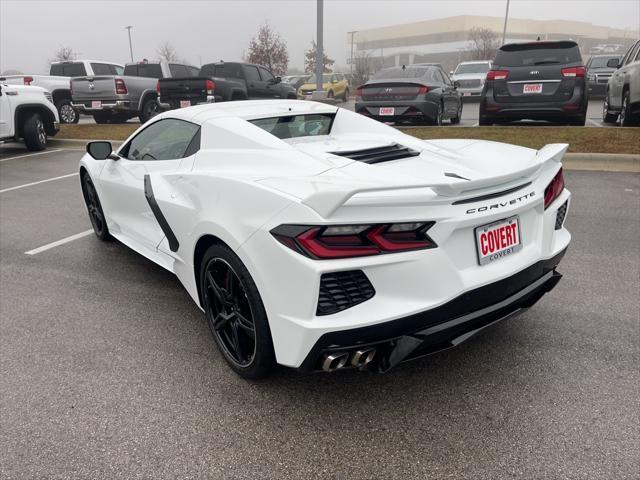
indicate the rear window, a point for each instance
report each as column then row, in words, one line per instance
column 294, row 126
column 149, row 70
column 68, row 70
column 472, row 68
column 222, row 70
column 543, row 53
column 399, row 72
column 106, row 69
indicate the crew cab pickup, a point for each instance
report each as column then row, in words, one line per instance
column 117, row 98
column 28, row 113
column 57, row 82
column 223, row 81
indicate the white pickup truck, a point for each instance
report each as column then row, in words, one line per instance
column 27, row 113
column 58, row 82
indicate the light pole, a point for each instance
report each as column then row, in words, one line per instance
column 504, row 30
column 351, row 63
column 128, row 29
column 319, row 40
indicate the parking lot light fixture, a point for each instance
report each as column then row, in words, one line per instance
column 128, row 29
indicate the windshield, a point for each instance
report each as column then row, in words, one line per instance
column 601, row 62
column 294, row 126
column 326, row 78
column 472, row 68
column 399, row 72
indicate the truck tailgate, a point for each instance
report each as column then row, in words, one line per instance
column 187, row 89
column 93, row 88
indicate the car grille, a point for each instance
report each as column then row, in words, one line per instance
column 560, row 214
column 379, row 154
column 342, row 290
column 471, row 83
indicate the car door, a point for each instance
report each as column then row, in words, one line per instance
column 269, row 81
column 615, row 87
column 449, row 94
column 158, row 148
column 256, row 88
column 6, row 113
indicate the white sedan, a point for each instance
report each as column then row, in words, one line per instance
column 319, row 239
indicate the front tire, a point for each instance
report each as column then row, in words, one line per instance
column 626, row 116
column 67, row 113
column 94, row 208
column 437, row 121
column 235, row 313
column 34, row 133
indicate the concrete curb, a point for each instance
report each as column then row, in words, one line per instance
column 603, row 162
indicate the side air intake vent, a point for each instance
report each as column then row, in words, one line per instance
column 562, row 212
column 342, row 290
column 379, row 154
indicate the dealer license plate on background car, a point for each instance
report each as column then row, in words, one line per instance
column 532, row 88
column 96, row 104
column 497, row 240
column 185, row 103
column 387, row 111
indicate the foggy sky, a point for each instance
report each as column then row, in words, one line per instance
column 31, row 31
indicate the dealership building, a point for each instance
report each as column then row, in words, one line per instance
column 445, row 40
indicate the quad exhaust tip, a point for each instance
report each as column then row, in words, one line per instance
column 333, row 361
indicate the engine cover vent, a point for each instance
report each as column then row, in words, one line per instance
column 379, row 154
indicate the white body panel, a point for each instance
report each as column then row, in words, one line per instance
column 243, row 182
column 15, row 96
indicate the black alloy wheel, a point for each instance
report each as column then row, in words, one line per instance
column 235, row 313
column 94, row 208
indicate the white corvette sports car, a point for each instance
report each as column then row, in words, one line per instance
column 317, row 238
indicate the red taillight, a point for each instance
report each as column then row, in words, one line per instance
column 554, row 189
column 210, row 86
column 423, row 89
column 573, row 72
column 158, row 87
column 345, row 241
column 497, row 74
column 121, row 88
column 27, row 80
column 359, row 91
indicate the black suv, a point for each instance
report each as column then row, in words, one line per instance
column 536, row 81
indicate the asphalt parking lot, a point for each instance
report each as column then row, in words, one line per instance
column 108, row 370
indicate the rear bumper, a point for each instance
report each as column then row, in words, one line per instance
column 174, row 104
column 576, row 105
column 404, row 110
column 108, row 105
column 442, row 327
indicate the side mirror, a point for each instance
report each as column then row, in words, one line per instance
column 101, row 151
column 450, row 72
column 613, row 63
column 278, row 79
column 456, row 84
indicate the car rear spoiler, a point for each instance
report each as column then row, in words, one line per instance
column 327, row 192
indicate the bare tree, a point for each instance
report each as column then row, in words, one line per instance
column 483, row 44
column 361, row 68
column 269, row 50
column 64, row 54
column 310, row 60
column 167, row 52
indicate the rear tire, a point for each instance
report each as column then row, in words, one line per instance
column 149, row 110
column 102, row 118
column 34, row 133
column 437, row 121
column 608, row 117
column 345, row 97
column 456, row 120
column 235, row 313
column 94, row 208
column 66, row 112
column 579, row 121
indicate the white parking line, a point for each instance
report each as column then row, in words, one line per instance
column 51, row 245
column 593, row 122
column 37, row 183
column 31, row 154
